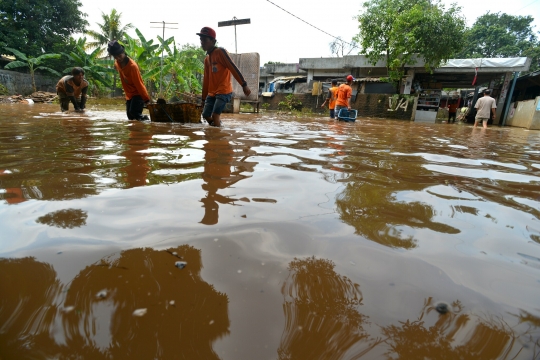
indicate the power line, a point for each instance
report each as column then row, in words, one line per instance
column 525, row 6
column 335, row 37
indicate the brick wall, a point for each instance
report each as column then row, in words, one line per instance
column 368, row 105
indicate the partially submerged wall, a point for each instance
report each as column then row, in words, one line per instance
column 525, row 114
column 382, row 106
column 20, row 83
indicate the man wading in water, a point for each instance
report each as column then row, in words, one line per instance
column 70, row 87
column 136, row 94
column 217, row 88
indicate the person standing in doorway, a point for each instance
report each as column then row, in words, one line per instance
column 331, row 98
column 70, row 88
column 452, row 110
column 132, row 83
column 218, row 67
column 343, row 96
column 485, row 107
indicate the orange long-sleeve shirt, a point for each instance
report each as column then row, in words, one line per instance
column 131, row 80
column 218, row 67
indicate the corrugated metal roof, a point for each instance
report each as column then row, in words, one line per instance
column 286, row 79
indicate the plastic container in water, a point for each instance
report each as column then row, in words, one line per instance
column 347, row 115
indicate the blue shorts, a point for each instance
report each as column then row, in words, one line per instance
column 215, row 104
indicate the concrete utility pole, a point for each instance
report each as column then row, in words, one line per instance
column 234, row 22
column 163, row 37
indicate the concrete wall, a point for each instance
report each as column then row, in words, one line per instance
column 20, row 83
column 368, row 105
column 526, row 114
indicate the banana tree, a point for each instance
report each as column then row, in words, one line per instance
column 32, row 63
column 95, row 69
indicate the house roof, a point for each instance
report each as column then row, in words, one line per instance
column 287, row 79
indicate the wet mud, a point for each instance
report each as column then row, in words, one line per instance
column 272, row 237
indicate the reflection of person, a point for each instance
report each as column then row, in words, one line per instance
column 218, row 67
column 70, row 88
column 130, row 75
column 331, row 98
column 485, row 106
column 344, row 93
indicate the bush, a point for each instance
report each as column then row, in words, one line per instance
column 3, row 90
column 290, row 103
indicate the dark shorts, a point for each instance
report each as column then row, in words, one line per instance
column 215, row 104
column 332, row 114
column 134, row 108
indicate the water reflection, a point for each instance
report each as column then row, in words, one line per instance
column 94, row 318
column 457, row 335
column 138, row 141
column 65, row 219
column 321, row 312
column 225, row 164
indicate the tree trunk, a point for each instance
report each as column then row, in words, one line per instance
column 33, row 79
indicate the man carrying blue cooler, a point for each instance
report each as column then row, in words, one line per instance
column 344, row 93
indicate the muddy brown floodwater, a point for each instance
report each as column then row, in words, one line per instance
column 273, row 237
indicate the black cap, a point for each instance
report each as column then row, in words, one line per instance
column 114, row 48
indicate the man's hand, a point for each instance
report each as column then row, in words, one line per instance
column 246, row 90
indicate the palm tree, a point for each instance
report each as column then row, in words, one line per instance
column 110, row 29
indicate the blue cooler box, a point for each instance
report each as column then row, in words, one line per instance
column 347, row 115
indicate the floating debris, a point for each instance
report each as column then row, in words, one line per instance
column 68, row 309
column 175, row 253
column 139, row 312
column 442, row 308
column 180, row 264
column 102, row 294
column 171, row 302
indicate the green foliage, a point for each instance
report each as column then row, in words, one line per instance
column 110, row 29
column 265, row 106
column 31, row 63
column 502, row 35
column 290, row 103
column 95, row 69
column 35, row 26
column 3, row 90
column 400, row 31
column 274, row 63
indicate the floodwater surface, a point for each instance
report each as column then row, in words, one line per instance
column 273, row 237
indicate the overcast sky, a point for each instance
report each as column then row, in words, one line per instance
column 273, row 33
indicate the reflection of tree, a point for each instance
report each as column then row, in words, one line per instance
column 67, row 218
column 27, row 308
column 321, row 312
column 375, row 214
column 145, row 278
column 453, row 336
column 224, row 166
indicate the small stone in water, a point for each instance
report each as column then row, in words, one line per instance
column 102, row 294
column 175, row 253
column 171, row 302
column 139, row 312
column 180, row 264
column 442, row 308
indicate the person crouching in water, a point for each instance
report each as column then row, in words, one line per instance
column 70, row 88
column 217, row 88
column 132, row 83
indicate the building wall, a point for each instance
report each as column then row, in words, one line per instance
column 20, row 83
column 525, row 114
column 368, row 105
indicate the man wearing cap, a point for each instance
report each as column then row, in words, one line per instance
column 130, row 75
column 218, row 67
column 70, row 88
column 344, row 93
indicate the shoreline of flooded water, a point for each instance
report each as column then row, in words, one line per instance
column 301, row 238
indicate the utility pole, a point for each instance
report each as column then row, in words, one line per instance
column 234, row 22
column 163, row 26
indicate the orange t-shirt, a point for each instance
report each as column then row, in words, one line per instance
column 332, row 96
column 344, row 93
column 68, row 86
column 131, row 80
column 218, row 67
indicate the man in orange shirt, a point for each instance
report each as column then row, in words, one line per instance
column 331, row 98
column 218, row 67
column 130, row 75
column 344, row 93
